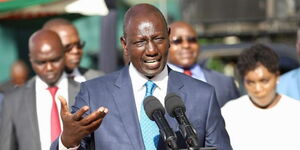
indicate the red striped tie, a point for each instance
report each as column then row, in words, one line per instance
column 55, row 123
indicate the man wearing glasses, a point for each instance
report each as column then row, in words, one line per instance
column 73, row 49
column 183, row 54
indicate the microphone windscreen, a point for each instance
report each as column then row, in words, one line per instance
column 152, row 104
column 173, row 101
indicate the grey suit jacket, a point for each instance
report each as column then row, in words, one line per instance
column 225, row 87
column 120, row 130
column 90, row 73
column 19, row 125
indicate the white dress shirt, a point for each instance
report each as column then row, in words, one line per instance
column 138, row 81
column 78, row 77
column 44, row 104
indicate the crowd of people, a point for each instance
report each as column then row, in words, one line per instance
column 65, row 106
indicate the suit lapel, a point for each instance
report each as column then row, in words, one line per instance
column 124, row 98
column 73, row 89
column 30, row 96
column 175, row 85
column 207, row 75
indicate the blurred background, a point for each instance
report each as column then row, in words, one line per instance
column 224, row 27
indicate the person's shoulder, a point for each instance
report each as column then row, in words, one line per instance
column 290, row 100
column 18, row 94
column 189, row 81
column 107, row 78
column 292, row 104
column 235, row 103
column 90, row 73
column 216, row 74
column 290, row 75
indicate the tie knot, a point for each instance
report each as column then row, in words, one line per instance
column 187, row 72
column 149, row 88
column 53, row 90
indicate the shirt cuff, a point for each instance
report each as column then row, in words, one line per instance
column 62, row 147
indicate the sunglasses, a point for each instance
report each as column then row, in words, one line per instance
column 79, row 45
column 179, row 40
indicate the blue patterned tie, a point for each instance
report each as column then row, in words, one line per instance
column 150, row 130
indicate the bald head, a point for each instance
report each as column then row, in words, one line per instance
column 141, row 11
column 180, row 25
column 70, row 39
column 64, row 28
column 184, row 50
column 43, row 41
column 19, row 73
column 46, row 54
column 56, row 22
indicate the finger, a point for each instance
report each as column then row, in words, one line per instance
column 64, row 105
column 99, row 114
column 78, row 115
column 95, row 124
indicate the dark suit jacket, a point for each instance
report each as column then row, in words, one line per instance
column 19, row 125
column 120, row 130
column 225, row 87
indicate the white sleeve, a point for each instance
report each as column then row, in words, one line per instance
column 62, row 147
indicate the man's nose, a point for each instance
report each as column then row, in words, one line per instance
column 49, row 66
column 185, row 43
column 75, row 50
column 151, row 48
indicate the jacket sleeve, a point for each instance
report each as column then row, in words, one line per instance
column 7, row 133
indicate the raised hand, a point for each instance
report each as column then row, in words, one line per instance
column 75, row 126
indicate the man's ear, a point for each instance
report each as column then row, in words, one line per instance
column 169, row 32
column 124, row 45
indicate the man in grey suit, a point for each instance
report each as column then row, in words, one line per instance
column 28, row 113
column 145, row 42
column 183, row 56
column 74, row 49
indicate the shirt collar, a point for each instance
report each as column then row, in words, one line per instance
column 43, row 85
column 139, row 80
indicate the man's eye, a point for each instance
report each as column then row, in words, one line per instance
column 159, row 39
column 139, row 43
column 39, row 62
column 56, row 59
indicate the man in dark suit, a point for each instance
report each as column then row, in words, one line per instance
column 32, row 111
column 183, row 56
column 145, row 42
column 73, row 47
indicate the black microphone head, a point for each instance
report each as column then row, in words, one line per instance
column 152, row 104
column 173, row 101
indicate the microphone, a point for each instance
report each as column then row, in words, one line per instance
column 155, row 111
column 176, row 109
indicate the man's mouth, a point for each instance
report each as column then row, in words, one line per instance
column 152, row 64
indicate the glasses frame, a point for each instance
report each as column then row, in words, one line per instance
column 179, row 40
column 70, row 46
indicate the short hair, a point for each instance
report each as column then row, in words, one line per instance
column 257, row 54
